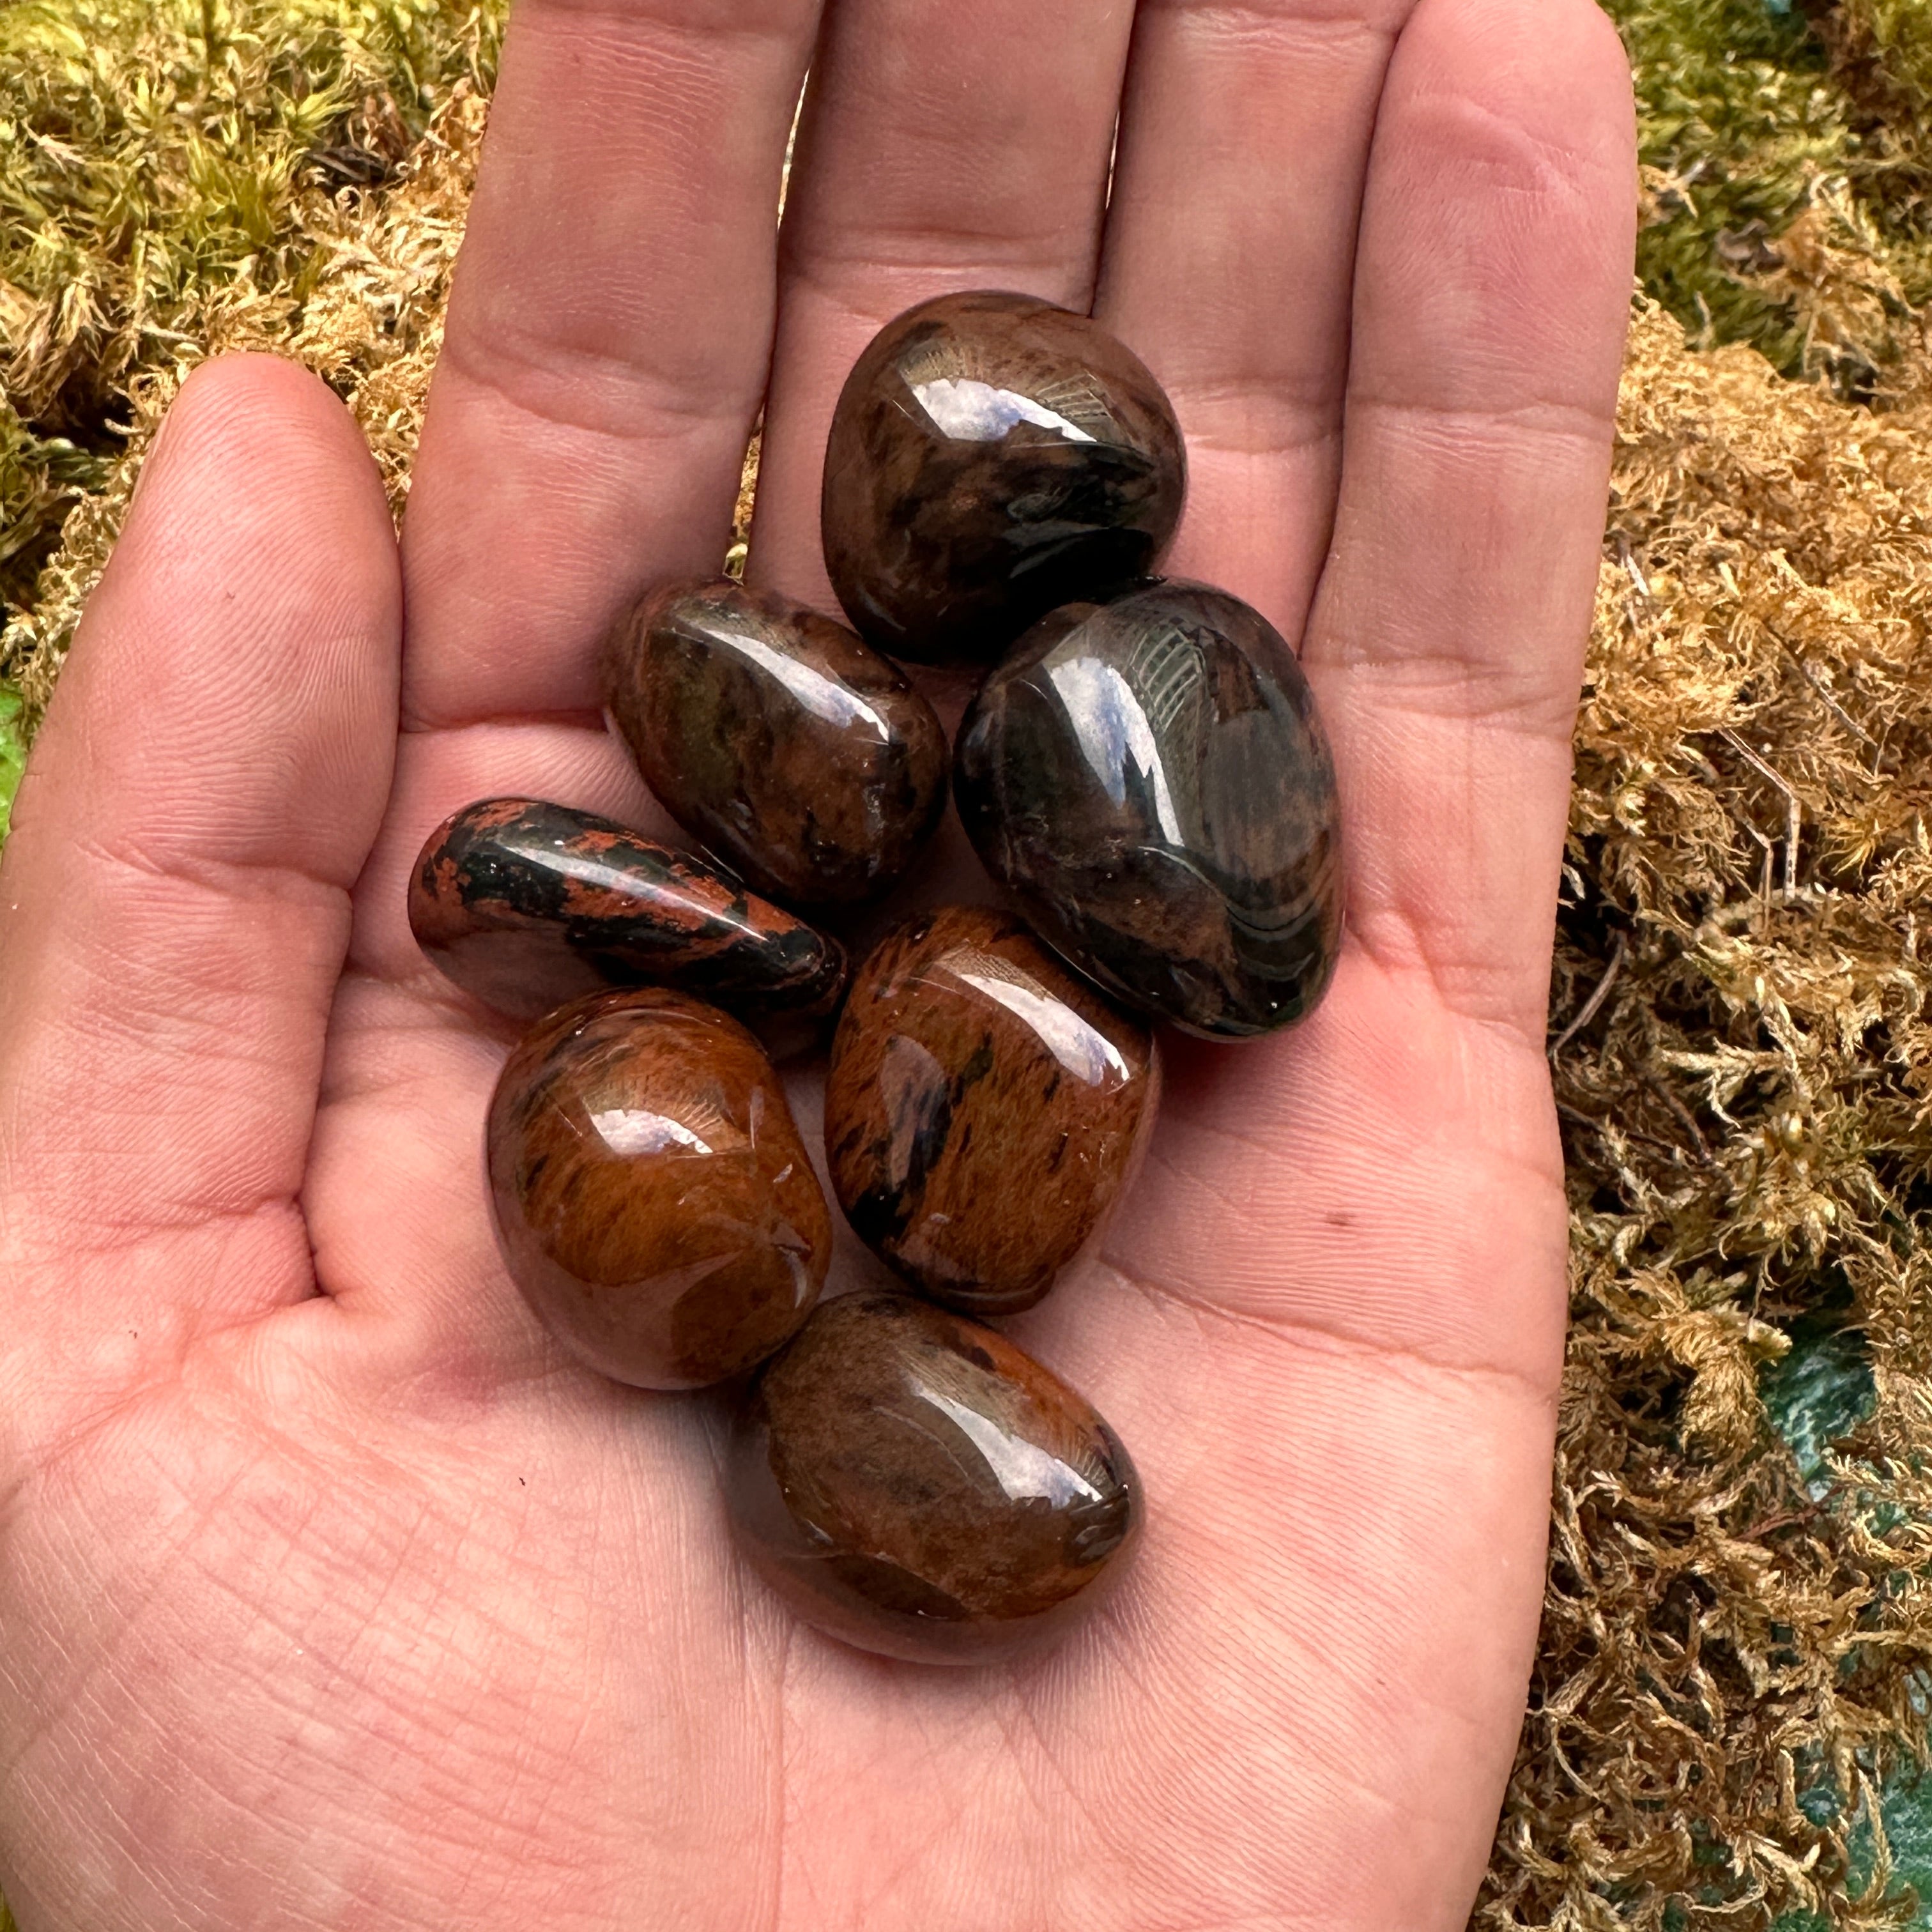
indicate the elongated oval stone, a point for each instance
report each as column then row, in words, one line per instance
column 912, row 1483
column 526, row 905
column 653, row 1201
column 1147, row 773
column 991, row 457
column 984, row 1110
column 778, row 739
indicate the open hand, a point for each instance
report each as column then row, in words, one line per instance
column 333, row 1596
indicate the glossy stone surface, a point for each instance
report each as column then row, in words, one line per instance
column 526, row 905
column 913, row 1484
column 1147, row 775
column 991, row 457
column 984, row 1110
column 778, row 739
column 652, row 1199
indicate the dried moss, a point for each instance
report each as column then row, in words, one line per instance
column 161, row 162
column 1735, row 1621
column 342, row 259
column 1730, row 1700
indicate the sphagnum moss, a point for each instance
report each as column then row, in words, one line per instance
column 1738, row 1624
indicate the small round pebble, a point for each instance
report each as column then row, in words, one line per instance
column 991, row 456
column 1146, row 773
column 778, row 738
column 653, row 1201
column 984, row 1111
column 913, row 1484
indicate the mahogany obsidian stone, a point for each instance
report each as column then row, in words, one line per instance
column 991, row 457
column 912, row 1483
column 653, row 1200
column 1147, row 773
column 777, row 739
column 984, row 1108
column 526, row 905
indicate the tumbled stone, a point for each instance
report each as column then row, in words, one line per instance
column 984, row 1110
column 913, row 1484
column 653, row 1201
column 1147, row 774
column 526, row 905
column 778, row 739
column 992, row 456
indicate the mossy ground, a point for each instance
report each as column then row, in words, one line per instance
column 1730, row 1708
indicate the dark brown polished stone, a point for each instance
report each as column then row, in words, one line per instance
column 913, row 1484
column 1147, row 774
column 984, row 1109
column 992, row 456
column 778, row 738
column 526, row 905
column 653, row 1200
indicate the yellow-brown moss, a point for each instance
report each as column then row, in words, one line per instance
column 1729, row 1652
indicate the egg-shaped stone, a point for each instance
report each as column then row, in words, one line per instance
column 990, row 457
column 527, row 905
column 778, row 738
column 653, row 1201
column 913, row 1484
column 985, row 1109
column 1147, row 774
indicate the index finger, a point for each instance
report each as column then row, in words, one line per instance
column 607, row 340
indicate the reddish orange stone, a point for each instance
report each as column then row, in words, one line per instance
column 653, row 1201
column 984, row 1109
column 912, row 1483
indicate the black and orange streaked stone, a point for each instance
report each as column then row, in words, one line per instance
column 984, row 1110
column 1146, row 773
column 653, row 1201
column 990, row 457
column 527, row 905
column 778, row 738
column 912, row 1484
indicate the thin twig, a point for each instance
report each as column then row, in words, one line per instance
column 1770, row 845
column 1593, row 1005
column 1685, row 1118
column 1826, row 698
column 1609, row 1127
column 1631, row 568
column 1793, row 815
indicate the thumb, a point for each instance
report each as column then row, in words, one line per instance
column 174, row 898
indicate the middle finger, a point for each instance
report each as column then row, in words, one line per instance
column 942, row 147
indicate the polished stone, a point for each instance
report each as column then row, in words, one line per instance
column 1147, row 775
column 991, row 457
column 913, row 1484
column 984, row 1110
column 526, row 905
column 653, row 1201
column 778, row 739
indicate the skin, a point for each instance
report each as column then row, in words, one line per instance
column 333, row 1596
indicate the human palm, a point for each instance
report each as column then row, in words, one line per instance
column 333, row 1595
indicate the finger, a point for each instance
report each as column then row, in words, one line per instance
column 1229, row 263
column 176, row 891
column 608, row 342
column 1394, row 1168
column 1446, row 645
column 942, row 147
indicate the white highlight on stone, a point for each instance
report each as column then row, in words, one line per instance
column 1114, row 733
column 974, row 411
column 635, row 1130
